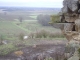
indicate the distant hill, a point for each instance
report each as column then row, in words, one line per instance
column 55, row 10
column 27, row 13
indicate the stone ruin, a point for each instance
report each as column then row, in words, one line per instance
column 70, row 24
column 70, row 19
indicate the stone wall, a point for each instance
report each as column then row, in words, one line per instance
column 71, row 13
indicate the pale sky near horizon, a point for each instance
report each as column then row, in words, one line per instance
column 32, row 3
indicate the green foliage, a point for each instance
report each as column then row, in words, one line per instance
column 20, row 19
column 6, row 49
column 65, row 58
column 46, row 34
column 9, row 28
column 55, row 19
column 74, row 57
column 43, row 19
column 41, row 34
column 79, row 52
column 21, row 36
column 1, row 38
column 31, row 26
column 69, row 49
column 11, row 31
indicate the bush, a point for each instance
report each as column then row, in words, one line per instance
column 42, row 34
column 46, row 34
column 21, row 36
column 79, row 52
column 1, row 39
column 44, row 20
column 55, row 19
column 20, row 19
column 6, row 49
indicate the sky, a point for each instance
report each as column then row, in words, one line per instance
column 32, row 3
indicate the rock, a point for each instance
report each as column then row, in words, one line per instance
column 75, row 56
column 70, row 6
column 25, row 37
column 5, row 42
column 64, row 9
column 18, row 53
column 67, row 55
column 73, row 5
column 40, row 56
column 34, row 46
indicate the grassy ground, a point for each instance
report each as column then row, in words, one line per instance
column 11, row 28
column 14, row 28
column 33, row 25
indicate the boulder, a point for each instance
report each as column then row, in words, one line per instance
column 70, row 6
column 75, row 56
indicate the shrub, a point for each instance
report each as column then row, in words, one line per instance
column 55, row 19
column 21, row 36
column 79, row 52
column 44, row 19
column 42, row 34
column 46, row 34
column 20, row 19
column 6, row 49
column 1, row 39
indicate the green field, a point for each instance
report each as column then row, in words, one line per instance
column 11, row 28
column 15, row 28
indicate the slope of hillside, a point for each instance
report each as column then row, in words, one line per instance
column 10, row 29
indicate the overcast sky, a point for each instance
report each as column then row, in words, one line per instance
column 32, row 3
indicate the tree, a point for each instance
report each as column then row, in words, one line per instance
column 20, row 19
column 21, row 36
column 1, row 39
column 43, row 19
